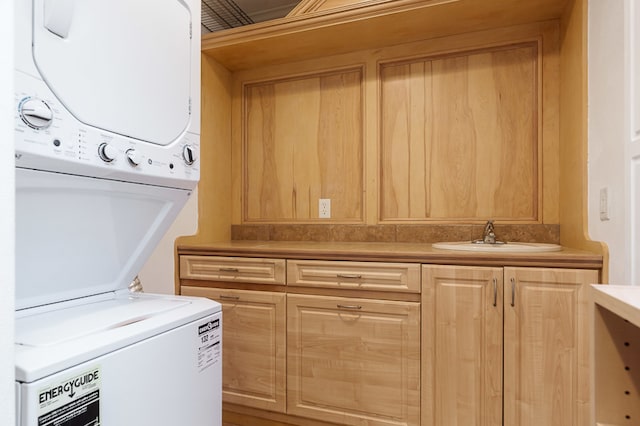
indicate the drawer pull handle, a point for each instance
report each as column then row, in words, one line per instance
column 223, row 296
column 354, row 307
column 352, row 276
column 495, row 292
column 229, row 270
column 513, row 292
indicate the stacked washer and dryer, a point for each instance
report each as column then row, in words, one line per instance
column 107, row 153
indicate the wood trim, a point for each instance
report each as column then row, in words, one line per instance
column 367, row 25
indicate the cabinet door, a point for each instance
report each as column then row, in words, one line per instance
column 461, row 346
column 353, row 361
column 253, row 346
column 546, row 347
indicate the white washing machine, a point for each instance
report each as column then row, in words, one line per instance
column 107, row 153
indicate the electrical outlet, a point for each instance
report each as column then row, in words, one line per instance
column 324, row 208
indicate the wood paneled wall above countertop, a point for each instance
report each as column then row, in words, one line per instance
column 459, row 136
column 303, row 141
column 459, row 129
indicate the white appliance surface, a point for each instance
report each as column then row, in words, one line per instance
column 120, row 360
column 109, row 89
column 86, row 47
column 107, row 137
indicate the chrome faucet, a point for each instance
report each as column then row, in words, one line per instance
column 489, row 234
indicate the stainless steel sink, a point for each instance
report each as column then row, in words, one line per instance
column 512, row 247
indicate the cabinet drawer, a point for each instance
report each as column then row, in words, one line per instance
column 233, row 269
column 401, row 277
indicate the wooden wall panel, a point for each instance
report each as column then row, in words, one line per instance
column 303, row 140
column 459, row 136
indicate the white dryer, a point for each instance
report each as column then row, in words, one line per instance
column 107, row 153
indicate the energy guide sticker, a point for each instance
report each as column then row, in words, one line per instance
column 209, row 344
column 74, row 401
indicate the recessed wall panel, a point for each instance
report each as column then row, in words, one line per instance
column 459, row 136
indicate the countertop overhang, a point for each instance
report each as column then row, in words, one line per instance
column 392, row 252
column 622, row 300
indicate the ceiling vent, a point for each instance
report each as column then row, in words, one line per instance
column 222, row 14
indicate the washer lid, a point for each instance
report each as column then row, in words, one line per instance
column 79, row 236
column 118, row 65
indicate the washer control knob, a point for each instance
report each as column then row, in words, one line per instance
column 35, row 113
column 107, row 153
column 133, row 157
column 188, row 155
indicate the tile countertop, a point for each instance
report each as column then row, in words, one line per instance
column 392, row 252
column 622, row 300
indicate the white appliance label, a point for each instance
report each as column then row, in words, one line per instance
column 209, row 344
column 74, row 401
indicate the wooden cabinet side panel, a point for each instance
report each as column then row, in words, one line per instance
column 303, row 139
column 254, row 348
column 460, row 136
column 546, row 347
column 617, row 369
column 462, row 346
column 353, row 361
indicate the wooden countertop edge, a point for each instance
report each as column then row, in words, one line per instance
column 567, row 258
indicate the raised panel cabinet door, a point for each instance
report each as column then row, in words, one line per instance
column 353, row 361
column 253, row 343
column 461, row 346
column 546, row 347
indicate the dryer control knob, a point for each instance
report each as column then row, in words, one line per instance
column 133, row 157
column 188, row 155
column 106, row 152
column 36, row 113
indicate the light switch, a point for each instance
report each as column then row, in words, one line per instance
column 604, row 204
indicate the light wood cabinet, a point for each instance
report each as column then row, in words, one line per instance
column 353, row 361
column 462, row 346
column 254, row 342
column 529, row 323
column 546, row 347
column 374, row 276
column 233, row 269
column 398, row 342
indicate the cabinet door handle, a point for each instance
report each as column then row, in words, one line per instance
column 356, row 276
column 354, row 307
column 495, row 292
column 229, row 270
column 223, row 296
column 513, row 292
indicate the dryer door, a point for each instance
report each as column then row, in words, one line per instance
column 118, row 65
